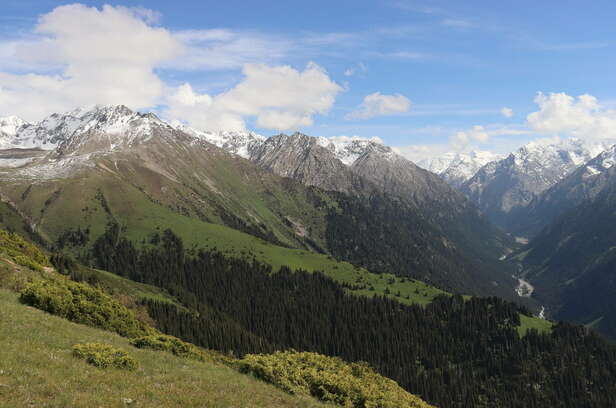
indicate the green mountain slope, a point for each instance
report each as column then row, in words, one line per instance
column 572, row 263
column 89, row 202
column 94, row 204
column 36, row 376
column 458, row 346
column 160, row 177
column 37, row 369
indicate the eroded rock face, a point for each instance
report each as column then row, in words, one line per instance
column 308, row 160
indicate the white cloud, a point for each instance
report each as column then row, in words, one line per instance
column 279, row 97
column 106, row 56
column 477, row 134
column 506, row 112
column 360, row 68
column 583, row 117
column 417, row 153
column 377, row 104
column 219, row 49
column 79, row 56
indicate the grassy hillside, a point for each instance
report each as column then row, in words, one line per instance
column 48, row 375
column 93, row 204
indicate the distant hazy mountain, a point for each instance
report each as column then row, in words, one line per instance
column 584, row 183
column 503, row 187
column 456, row 168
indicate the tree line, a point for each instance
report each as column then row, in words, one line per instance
column 452, row 352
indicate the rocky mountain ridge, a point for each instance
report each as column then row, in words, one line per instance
column 584, row 183
column 503, row 187
column 456, row 168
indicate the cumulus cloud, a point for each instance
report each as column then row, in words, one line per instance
column 582, row 116
column 377, row 104
column 506, row 112
column 279, row 97
column 477, row 134
column 80, row 56
column 105, row 56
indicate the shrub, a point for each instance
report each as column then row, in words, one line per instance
column 329, row 379
column 171, row 344
column 27, row 262
column 163, row 342
column 105, row 356
column 82, row 303
column 22, row 251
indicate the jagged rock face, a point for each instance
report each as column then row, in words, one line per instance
column 457, row 168
column 584, row 183
column 310, row 160
column 503, row 187
column 401, row 177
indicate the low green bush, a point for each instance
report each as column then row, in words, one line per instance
column 82, row 303
column 27, row 262
column 105, row 356
column 21, row 251
column 171, row 344
column 329, row 379
column 163, row 342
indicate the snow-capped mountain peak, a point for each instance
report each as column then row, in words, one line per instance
column 10, row 125
column 119, row 124
column 240, row 143
column 602, row 162
column 503, row 188
column 456, row 168
column 349, row 149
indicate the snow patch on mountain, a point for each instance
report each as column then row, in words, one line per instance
column 349, row 149
column 118, row 124
column 245, row 144
column 602, row 162
column 239, row 143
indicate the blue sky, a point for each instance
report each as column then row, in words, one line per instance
column 451, row 65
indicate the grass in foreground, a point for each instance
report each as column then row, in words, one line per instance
column 37, row 368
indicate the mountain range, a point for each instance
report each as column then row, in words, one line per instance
column 558, row 198
column 505, row 187
column 338, row 246
column 110, row 164
column 326, row 197
column 457, row 168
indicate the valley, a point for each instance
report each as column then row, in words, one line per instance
column 391, row 204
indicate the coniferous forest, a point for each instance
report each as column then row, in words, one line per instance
column 452, row 352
